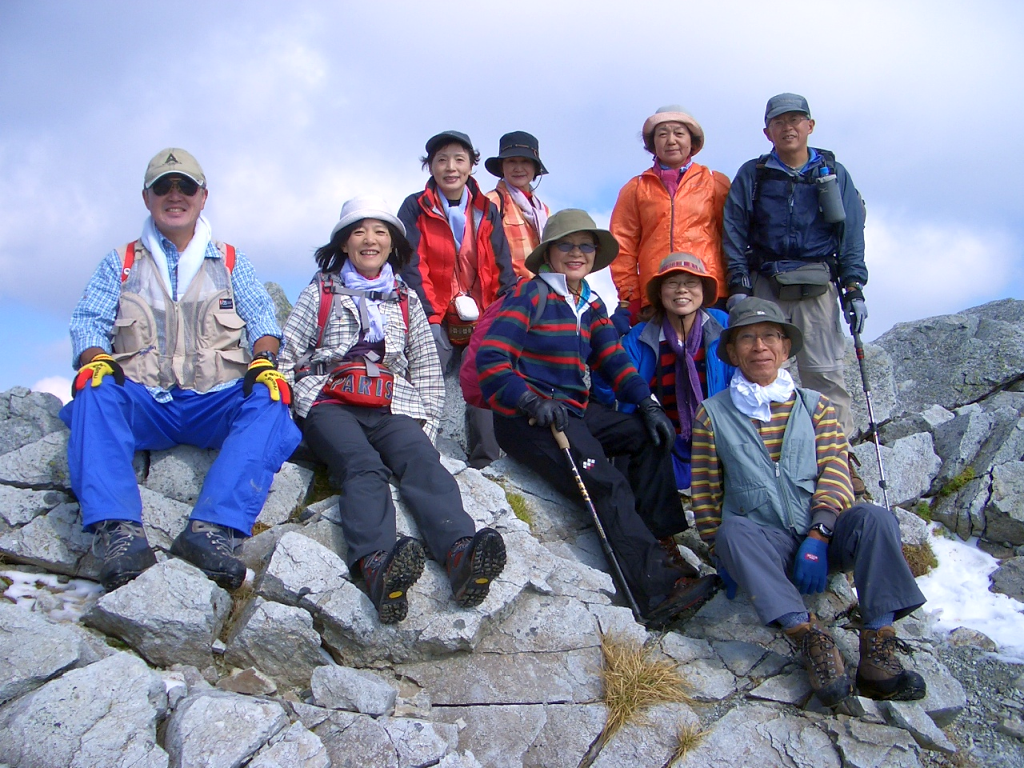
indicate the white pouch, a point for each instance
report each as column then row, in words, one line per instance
column 466, row 308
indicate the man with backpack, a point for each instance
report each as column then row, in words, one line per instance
column 793, row 234
column 772, row 499
column 175, row 341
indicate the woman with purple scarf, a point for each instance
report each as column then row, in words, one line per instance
column 675, row 351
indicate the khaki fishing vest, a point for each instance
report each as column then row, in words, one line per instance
column 194, row 343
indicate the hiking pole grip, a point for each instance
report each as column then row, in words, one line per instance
column 560, row 438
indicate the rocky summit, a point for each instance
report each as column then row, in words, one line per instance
column 294, row 669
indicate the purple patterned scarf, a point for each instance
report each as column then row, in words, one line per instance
column 687, row 397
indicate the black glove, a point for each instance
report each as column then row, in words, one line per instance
column 544, row 411
column 620, row 319
column 855, row 309
column 659, row 425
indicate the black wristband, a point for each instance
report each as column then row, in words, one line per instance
column 853, row 293
column 266, row 355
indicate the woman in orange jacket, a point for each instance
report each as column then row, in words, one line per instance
column 523, row 214
column 674, row 206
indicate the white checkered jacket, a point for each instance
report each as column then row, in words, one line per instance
column 410, row 356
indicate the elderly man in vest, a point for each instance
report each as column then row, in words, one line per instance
column 175, row 341
column 772, row 497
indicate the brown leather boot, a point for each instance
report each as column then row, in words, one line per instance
column 822, row 660
column 880, row 675
column 675, row 560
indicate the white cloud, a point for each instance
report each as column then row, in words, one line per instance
column 924, row 268
column 58, row 386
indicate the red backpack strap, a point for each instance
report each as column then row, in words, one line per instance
column 326, row 302
column 229, row 257
column 128, row 260
column 403, row 301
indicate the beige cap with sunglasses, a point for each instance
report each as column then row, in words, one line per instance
column 174, row 160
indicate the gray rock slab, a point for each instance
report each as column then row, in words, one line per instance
column 249, row 681
column 945, row 699
column 278, row 640
column 419, row 742
column 683, row 649
column 955, row 359
column 355, row 741
column 867, row 745
column 1004, row 514
column 543, row 624
column 722, row 619
column 353, row 690
column 1008, row 578
column 793, row 688
column 913, row 530
column 287, row 492
column 566, row 735
column 302, row 572
column 104, row 714
column 296, row 748
column 739, row 657
column 758, row 735
column 32, row 651
column 883, row 385
column 910, row 467
column 927, row 420
column 519, row 678
column 498, row 736
column 27, row 416
column 19, row 506
column 162, row 517
column 649, row 740
column 708, row 680
column 218, row 728
column 963, row 512
column 53, row 541
column 170, row 614
column 41, row 465
column 282, row 307
column 910, row 716
column 965, row 636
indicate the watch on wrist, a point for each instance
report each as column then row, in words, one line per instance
column 266, row 355
column 823, row 530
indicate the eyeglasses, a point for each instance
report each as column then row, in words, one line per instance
column 587, row 248
column 183, row 184
column 770, row 338
column 689, row 283
column 790, row 121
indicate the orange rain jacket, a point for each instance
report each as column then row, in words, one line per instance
column 649, row 226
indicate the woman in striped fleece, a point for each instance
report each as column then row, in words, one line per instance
column 536, row 374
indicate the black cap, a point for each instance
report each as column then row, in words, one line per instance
column 449, row 137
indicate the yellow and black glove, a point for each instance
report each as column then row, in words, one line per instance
column 100, row 366
column 264, row 371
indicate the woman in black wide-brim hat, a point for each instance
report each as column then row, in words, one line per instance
column 523, row 213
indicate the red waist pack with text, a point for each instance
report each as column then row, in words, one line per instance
column 363, row 383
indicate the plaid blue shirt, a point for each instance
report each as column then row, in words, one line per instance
column 92, row 322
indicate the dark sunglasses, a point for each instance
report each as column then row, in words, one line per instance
column 586, row 248
column 185, row 185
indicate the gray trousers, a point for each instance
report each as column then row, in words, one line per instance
column 820, row 362
column 866, row 541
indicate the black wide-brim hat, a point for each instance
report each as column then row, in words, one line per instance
column 751, row 311
column 515, row 144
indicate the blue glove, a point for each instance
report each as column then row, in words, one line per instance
column 810, row 572
column 730, row 585
column 620, row 319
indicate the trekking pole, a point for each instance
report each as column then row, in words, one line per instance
column 563, row 444
column 858, row 346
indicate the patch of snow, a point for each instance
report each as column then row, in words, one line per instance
column 59, row 598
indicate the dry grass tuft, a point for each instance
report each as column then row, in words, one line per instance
column 687, row 738
column 520, row 507
column 258, row 528
column 240, row 600
column 920, row 558
column 634, row 682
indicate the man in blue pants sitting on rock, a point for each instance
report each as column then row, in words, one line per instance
column 772, row 497
column 175, row 341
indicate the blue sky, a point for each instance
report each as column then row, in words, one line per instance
column 293, row 108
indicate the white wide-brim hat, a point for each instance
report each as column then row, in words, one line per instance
column 367, row 207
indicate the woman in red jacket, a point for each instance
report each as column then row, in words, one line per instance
column 460, row 264
column 674, row 206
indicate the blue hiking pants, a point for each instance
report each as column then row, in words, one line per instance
column 109, row 423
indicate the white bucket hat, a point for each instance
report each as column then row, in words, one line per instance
column 367, row 207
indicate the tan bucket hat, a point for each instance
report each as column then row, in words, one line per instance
column 673, row 113
column 690, row 265
column 567, row 222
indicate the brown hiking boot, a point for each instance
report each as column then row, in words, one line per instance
column 822, row 660
column 860, row 491
column 674, row 559
column 686, row 593
column 880, row 675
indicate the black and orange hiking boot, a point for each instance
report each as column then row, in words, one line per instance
column 122, row 547
column 473, row 563
column 687, row 593
column 880, row 675
column 823, row 661
column 211, row 549
column 389, row 575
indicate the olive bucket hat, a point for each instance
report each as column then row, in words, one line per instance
column 752, row 311
column 515, row 144
column 681, row 263
column 566, row 223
